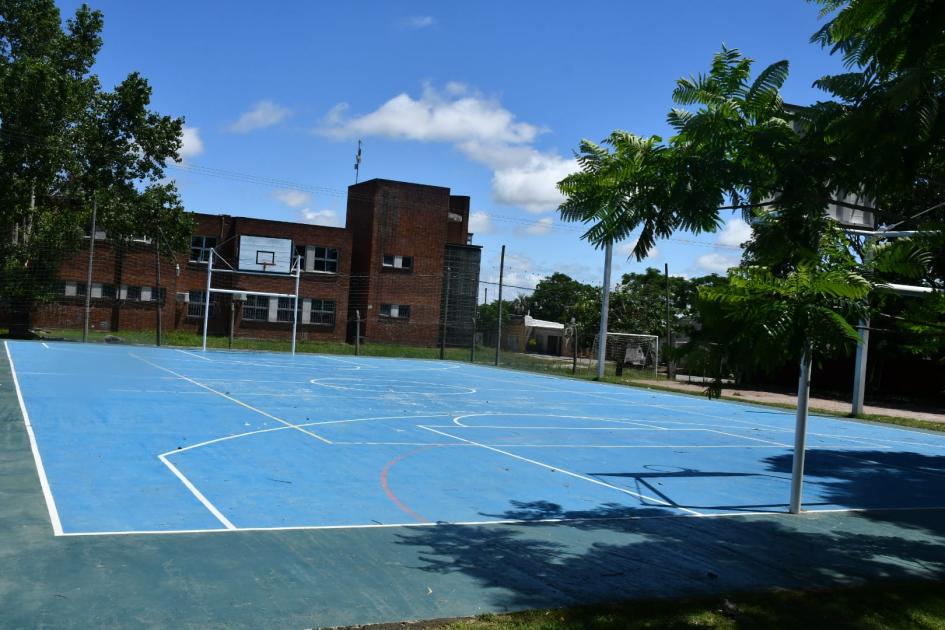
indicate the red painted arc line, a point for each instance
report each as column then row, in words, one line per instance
column 390, row 493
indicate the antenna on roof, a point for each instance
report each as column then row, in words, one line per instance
column 357, row 163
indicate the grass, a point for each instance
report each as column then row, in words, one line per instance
column 484, row 356
column 893, row 606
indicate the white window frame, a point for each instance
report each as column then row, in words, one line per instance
column 394, row 311
column 397, row 262
column 253, row 304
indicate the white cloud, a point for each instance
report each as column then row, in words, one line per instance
column 292, row 198
column 481, row 223
column 264, row 114
column 716, row 263
column 538, row 228
column 419, row 21
column 479, row 127
column 320, row 217
column 735, row 233
column 434, row 117
column 191, row 145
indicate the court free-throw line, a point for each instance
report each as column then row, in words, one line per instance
column 199, row 495
column 563, row 471
column 231, row 399
column 40, row 469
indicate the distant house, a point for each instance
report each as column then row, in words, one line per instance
column 524, row 333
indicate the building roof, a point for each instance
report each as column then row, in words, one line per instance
column 531, row 322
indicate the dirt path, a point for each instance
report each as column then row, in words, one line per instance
column 839, row 407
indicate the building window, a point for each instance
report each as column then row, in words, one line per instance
column 322, row 313
column 325, row 259
column 197, row 302
column 284, row 312
column 395, row 311
column 200, row 247
column 398, row 262
column 300, row 256
column 126, row 292
column 256, row 308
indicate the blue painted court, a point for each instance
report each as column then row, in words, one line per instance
column 137, row 439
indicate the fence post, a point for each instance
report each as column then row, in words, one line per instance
column 472, row 345
column 498, row 328
column 88, row 279
column 357, row 333
column 157, row 289
column 446, row 314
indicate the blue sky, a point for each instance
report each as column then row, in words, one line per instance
column 487, row 98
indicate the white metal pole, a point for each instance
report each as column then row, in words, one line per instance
column 656, row 364
column 88, row 279
column 604, row 309
column 295, row 300
column 206, row 305
column 800, row 431
column 859, row 367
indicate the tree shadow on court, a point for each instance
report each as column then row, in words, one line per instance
column 603, row 558
column 891, row 486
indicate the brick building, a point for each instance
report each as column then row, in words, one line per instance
column 407, row 236
column 388, row 266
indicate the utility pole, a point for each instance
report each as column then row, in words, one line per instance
column 498, row 327
column 88, row 279
column 604, row 311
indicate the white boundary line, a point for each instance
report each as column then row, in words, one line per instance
column 563, row 471
column 40, row 470
column 230, row 398
column 193, row 490
column 536, row 521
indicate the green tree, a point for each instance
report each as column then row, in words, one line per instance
column 67, row 145
column 559, row 298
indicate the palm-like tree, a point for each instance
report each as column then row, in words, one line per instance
column 725, row 150
column 799, row 315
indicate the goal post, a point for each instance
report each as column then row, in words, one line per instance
column 284, row 286
column 627, row 351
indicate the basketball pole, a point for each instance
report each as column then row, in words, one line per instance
column 295, row 300
column 800, row 430
column 206, row 305
column 604, row 309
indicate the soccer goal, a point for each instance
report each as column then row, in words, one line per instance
column 265, row 282
column 627, row 351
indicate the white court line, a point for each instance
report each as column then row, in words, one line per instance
column 45, row 345
column 230, row 398
column 193, row 354
column 457, row 419
column 199, row 495
column 40, row 469
column 546, row 521
column 561, row 470
column 745, row 437
column 303, row 424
